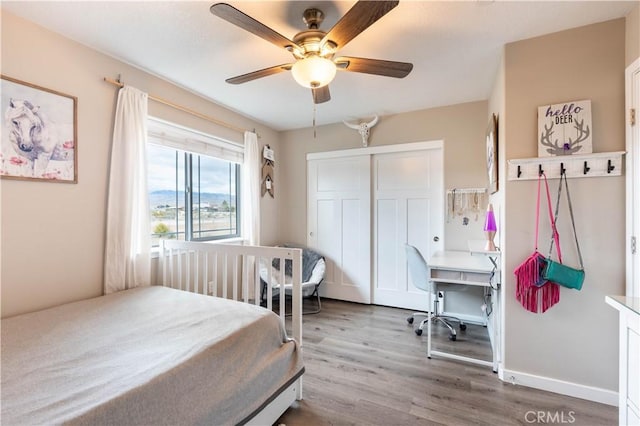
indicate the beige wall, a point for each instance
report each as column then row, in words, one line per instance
column 576, row 340
column 462, row 127
column 632, row 38
column 53, row 234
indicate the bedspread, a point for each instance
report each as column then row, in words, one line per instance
column 149, row 355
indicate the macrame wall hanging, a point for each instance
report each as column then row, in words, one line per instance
column 466, row 204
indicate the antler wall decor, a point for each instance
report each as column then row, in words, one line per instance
column 568, row 147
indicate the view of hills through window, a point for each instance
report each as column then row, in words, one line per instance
column 210, row 213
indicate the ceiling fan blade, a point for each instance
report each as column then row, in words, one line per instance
column 321, row 94
column 246, row 22
column 258, row 74
column 374, row 66
column 356, row 20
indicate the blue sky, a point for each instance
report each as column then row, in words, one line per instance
column 214, row 173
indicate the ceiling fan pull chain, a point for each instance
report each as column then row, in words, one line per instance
column 314, row 121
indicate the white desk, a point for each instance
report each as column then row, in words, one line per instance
column 463, row 268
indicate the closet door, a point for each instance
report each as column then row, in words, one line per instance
column 633, row 179
column 339, row 224
column 408, row 195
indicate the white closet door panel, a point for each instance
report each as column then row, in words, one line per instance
column 408, row 194
column 398, row 222
column 327, row 236
column 404, row 172
column 351, row 257
column 387, row 246
column 418, row 232
column 337, row 176
column 339, row 211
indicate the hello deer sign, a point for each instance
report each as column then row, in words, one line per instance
column 564, row 129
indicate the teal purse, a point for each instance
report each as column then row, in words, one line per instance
column 564, row 275
column 558, row 272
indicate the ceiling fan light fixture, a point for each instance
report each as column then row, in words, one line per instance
column 314, row 71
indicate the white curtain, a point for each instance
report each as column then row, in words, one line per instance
column 251, row 190
column 127, row 260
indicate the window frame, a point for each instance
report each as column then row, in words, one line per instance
column 188, row 182
column 188, row 157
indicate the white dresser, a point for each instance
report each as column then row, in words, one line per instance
column 629, row 358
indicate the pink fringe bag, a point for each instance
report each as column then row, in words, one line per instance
column 532, row 290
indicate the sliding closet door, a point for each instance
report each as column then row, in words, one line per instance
column 408, row 208
column 339, row 225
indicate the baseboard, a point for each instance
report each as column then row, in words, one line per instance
column 575, row 390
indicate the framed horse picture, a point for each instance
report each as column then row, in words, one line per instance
column 39, row 133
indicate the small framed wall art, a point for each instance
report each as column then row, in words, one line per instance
column 39, row 135
column 492, row 154
column 564, row 129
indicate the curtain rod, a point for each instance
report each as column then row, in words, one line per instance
column 183, row 109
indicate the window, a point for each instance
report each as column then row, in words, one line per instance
column 193, row 185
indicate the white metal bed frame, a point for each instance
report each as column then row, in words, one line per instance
column 226, row 270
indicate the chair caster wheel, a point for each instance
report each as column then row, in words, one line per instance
column 463, row 327
column 410, row 320
column 418, row 332
column 452, row 337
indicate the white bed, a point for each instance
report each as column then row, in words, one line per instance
column 155, row 355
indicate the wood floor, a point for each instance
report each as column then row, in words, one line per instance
column 365, row 366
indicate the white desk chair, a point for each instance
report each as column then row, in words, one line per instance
column 419, row 272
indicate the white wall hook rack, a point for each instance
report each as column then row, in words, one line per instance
column 585, row 165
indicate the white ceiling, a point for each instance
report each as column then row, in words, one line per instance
column 455, row 47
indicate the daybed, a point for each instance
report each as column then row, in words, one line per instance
column 152, row 355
